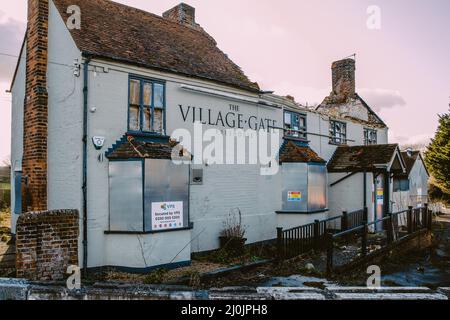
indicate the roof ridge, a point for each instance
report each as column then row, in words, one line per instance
column 203, row 32
column 123, row 33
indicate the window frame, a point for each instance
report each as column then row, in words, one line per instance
column 401, row 185
column 367, row 136
column 142, row 81
column 302, row 137
column 332, row 132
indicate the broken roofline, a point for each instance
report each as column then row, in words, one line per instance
column 371, row 167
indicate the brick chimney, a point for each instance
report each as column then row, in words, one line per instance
column 34, row 163
column 183, row 14
column 343, row 72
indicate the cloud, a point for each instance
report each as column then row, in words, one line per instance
column 12, row 32
column 382, row 99
column 417, row 140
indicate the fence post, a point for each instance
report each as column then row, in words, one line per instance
column 344, row 221
column 366, row 215
column 390, row 228
column 330, row 249
column 409, row 219
column 429, row 217
column 317, row 234
column 364, row 239
column 424, row 216
column 280, row 249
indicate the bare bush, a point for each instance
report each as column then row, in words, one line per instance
column 232, row 226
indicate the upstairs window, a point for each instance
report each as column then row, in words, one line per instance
column 338, row 132
column 370, row 137
column 146, row 106
column 293, row 123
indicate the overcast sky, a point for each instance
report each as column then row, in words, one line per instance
column 403, row 68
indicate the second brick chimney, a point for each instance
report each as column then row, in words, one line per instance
column 34, row 163
column 343, row 73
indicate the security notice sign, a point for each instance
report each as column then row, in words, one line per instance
column 167, row 215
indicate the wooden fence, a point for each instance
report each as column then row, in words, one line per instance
column 394, row 226
column 299, row 240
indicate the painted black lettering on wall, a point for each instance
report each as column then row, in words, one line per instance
column 231, row 119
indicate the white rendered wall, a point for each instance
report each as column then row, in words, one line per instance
column 418, row 188
column 348, row 195
column 65, row 116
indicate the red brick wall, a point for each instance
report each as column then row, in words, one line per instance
column 34, row 192
column 182, row 13
column 343, row 73
column 46, row 244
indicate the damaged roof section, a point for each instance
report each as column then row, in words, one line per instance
column 296, row 151
column 174, row 43
column 343, row 102
column 367, row 158
column 131, row 147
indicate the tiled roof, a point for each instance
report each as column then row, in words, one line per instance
column 130, row 147
column 122, row 33
column 409, row 161
column 360, row 158
column 294, row 151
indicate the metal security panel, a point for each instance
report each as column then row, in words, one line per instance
column 295, row 187
column 125, row 196
column 317, row 187
column 166, row 193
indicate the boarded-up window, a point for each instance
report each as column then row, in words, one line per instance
column 304, row 187
column 125, row 196
column 146, row 106
column 161, row 203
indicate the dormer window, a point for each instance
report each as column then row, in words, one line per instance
column 146, row 106
column 295, row 125
column 370, row 137
column 338, row 132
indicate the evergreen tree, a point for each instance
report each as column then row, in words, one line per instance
column 437, row 156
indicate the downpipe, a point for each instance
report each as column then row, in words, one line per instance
column 84, row 187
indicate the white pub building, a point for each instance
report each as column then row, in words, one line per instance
column 100, row 95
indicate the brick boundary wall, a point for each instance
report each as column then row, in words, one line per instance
column 46, row 244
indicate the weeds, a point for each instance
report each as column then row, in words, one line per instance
column 156, row 277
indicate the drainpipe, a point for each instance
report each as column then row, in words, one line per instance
column 365, row 189
column 85, row 127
